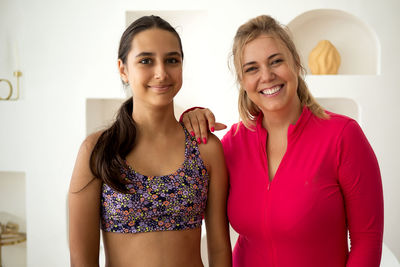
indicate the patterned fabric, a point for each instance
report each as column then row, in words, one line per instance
column 158, row 203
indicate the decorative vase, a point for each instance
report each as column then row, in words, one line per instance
column 324, row 58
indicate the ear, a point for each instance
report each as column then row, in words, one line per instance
column 123, row 71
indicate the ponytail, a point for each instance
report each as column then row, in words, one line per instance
column 113, row 146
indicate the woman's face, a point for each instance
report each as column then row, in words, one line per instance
column 153, row 67
column 270, row 77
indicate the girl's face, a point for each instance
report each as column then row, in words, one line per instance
column 153, row 67
column 270, row 77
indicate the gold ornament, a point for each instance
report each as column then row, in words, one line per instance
column 324, row 58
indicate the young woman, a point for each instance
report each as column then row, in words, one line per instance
column 144, row 181
column 300, row 177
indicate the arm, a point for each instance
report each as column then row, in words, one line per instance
column 218, row 242
column 84, row 210
column 360, row 181
column 199, row 121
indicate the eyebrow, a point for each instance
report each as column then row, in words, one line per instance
column 149, row 54
column 253, row 62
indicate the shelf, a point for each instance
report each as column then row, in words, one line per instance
column 13, row 210
column 357, row 42
column 341, row 105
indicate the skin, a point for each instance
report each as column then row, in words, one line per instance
column 267, row 65
column 154, row 72
column 270, row 80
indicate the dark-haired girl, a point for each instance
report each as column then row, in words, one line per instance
column 144, row 182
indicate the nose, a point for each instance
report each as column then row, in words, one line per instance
column 160, row 72
column 267, row 74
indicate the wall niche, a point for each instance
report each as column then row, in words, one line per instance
column 356, row 41
column 13, row 218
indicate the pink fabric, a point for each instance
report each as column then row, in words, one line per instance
column 327, row 183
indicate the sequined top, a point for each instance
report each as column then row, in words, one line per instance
column 158, row 203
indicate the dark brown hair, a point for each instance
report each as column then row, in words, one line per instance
column 117, row 141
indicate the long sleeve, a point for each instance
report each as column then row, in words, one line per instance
column 361, row 185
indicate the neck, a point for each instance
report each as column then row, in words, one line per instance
column 151, row 122
column 281, row 119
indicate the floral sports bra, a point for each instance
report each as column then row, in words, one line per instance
column 158, row 203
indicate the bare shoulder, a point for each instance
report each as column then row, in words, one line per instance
column 82, row 175
column 90, row 141
column 87, row 146
column 213, row 145
column 212, row 152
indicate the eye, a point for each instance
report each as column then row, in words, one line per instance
column 146, row 61
column 276, row 61
column 172, row 60
column 250, row 69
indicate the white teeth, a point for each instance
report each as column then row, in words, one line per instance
column 271, row 90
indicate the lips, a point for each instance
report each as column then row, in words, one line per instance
column 272, row 90
column 160, row 87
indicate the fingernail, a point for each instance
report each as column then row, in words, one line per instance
column 212, row 129
column 205, row 140
column 199, row 140
column 192, row 133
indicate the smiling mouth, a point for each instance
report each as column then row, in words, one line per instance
column 160, row 87
column 271, row 91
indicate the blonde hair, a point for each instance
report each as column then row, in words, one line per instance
column 249, row 31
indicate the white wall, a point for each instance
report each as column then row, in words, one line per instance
column 67, row 53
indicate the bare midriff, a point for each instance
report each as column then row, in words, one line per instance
column 153, row 249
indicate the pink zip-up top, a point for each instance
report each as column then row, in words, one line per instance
column 327, row 183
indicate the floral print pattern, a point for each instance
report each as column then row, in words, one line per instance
column 158, row 203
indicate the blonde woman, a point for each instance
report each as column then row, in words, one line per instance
column 300, row 177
